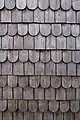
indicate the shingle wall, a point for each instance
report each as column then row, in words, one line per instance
column 40, row 60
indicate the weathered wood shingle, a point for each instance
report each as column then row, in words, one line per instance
column 39, row 60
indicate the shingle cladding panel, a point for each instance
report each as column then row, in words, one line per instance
column 39, row 60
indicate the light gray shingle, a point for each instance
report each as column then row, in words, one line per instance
column 22, row 29
column 33, row 56
column 43, row 4
column 5, row 16
column 71, row 16
column 9, row 4
column 20, row 4
column 32, row 4
column 12, row 56
column 53, row 105
column 66, row 4
column 38, row 15
column 55, row 4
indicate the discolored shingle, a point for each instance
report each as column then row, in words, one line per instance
column 12, row 56
column 53, row 105
column 43, row 105
column 33, row 105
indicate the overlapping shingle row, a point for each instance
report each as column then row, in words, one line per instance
column 40, row 36
column 40, row 11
